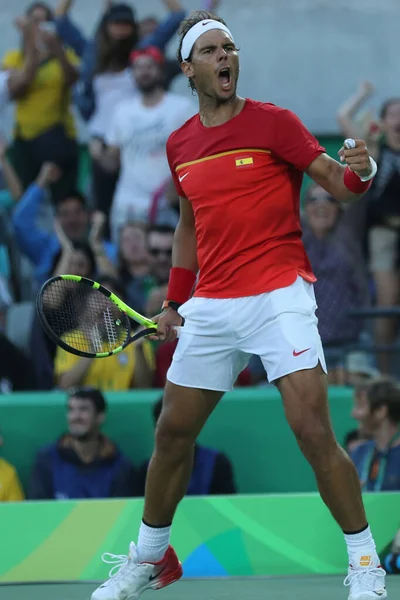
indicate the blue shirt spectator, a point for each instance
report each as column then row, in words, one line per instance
column 42, row 245
column 83, row 463
column 377, row 410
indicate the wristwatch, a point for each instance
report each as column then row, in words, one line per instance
column 170, row 304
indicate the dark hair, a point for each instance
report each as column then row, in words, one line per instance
column 187, row 24
column 157, row 408
column 73, row 195
column 386, row 105
column 80, row 247
column 41, row 5
column 112, row 56
column 92, row 394
column 384, row 391
column 161, row 229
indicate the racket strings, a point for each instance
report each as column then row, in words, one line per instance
column 84, row 318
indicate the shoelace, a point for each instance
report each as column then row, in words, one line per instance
column 367, row 575
column 118, row 560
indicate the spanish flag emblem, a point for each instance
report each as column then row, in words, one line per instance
column 242, row 162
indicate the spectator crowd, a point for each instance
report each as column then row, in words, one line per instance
column 109, row 212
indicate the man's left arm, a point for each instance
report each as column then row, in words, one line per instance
column 294, row 143
column 348, row 181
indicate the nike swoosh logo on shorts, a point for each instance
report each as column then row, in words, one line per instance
column 301, row 352
column 183, row 177
column 152, row 577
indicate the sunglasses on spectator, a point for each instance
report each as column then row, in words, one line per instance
column 159, row 251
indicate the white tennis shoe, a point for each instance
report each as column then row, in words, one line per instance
column 366, row 584
column 129, row 577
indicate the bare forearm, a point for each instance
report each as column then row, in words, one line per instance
column 75, row 375
column 184, row 250
column 347, row 112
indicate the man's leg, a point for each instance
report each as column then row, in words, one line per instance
column 304, row 395
column 184, row 413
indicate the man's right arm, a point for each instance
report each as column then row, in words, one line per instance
column 183, row 272
column 184, row 250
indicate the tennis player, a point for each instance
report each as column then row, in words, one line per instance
column 238, row 167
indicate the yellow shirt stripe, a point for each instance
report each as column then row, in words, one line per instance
column 213, row 156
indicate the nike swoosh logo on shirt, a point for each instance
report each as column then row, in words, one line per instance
column 152, row 577
column 183, row 177
column 301, row 352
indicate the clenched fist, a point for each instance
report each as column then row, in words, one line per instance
column 354, row 153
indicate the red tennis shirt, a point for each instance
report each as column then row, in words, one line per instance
column 243, row 180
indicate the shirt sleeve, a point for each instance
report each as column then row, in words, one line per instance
column 292, row 141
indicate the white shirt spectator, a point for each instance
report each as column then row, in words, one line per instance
column 109, row 90
column 141, row 133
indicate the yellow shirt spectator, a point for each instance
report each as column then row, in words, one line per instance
column 10, row 486
column 48, row 102
column 114, row 373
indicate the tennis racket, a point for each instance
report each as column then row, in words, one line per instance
column 85, row 318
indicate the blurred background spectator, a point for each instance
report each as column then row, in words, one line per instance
column 44, row 127
column 212, row 471
column 341, row 284
column 381, row 208
column 377, row 453
column 106, row 80
column 131, row 368
column 136, row 142
column 83, row 463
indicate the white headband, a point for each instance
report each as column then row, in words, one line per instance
column 196, row 31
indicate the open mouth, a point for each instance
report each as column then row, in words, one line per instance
column 225, row 77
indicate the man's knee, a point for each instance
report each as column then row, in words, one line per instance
column 314, row 435
column 173, row 436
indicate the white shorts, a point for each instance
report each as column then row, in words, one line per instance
column 220, row 336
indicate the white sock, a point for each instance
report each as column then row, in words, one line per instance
column 152, row 542
column 361, row 549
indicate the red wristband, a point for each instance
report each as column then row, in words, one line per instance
column 181, row 283
column 354, row 183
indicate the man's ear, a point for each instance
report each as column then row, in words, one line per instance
column 187, row 69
